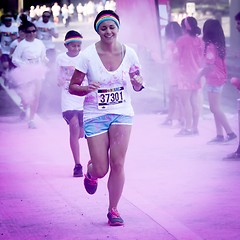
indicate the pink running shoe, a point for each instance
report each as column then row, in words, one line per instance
column 114, row 218
column 89, row 183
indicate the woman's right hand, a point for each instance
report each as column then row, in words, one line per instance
column 80, row 90
column 93, row 86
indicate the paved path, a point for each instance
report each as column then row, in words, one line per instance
column 176, row 188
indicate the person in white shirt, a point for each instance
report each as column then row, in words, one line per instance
column 56, row 9
column 112, row 71
column 8, row 33
column 65, row 15
column 71, row 11
column 21, row 36
column 21, row 32
column 80, row 12
column 13, row 45
column 29, row 57
column 72, row 106
column 46, row 31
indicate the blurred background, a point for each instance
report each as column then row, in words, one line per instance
column 142, row 27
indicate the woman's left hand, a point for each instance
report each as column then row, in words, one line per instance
column 137, row 82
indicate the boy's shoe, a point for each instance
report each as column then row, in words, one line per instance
column 230, row 137
column 114, row 218
column 217, row 139
column 77, row 171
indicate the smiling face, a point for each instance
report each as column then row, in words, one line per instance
column 108, row 31
column 73, row 48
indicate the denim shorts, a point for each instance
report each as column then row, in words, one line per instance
column 68, row 115
column 99, row 125
column 214, row 89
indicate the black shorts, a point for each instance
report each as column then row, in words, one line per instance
column 68, row 115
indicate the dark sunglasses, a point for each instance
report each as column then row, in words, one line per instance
column 30, row 31
column 46, row 16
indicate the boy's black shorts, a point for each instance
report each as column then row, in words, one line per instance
column 68, row 115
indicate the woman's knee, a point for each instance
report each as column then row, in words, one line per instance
column 117, row 166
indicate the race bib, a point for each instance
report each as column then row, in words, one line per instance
column 110, row 97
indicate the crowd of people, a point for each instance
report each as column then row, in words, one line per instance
column 25, row 51
column 96, row 85
column 195, row 62
column 70, row 12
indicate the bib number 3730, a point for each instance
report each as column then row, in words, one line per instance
column 110, row 97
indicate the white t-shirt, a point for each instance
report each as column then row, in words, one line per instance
column 29, row 52
column 44, row 33
column 113, row 96
column 65, row 68
column 7, row 36
column 56, row 10
column 29, row 59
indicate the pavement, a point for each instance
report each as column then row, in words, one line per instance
column 177, row 188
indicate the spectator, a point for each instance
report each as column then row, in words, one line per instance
column 214, row 71
column 172, row 32
column 190, row 50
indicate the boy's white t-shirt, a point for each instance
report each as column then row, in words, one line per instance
column 65, row 68
column 113, row 96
